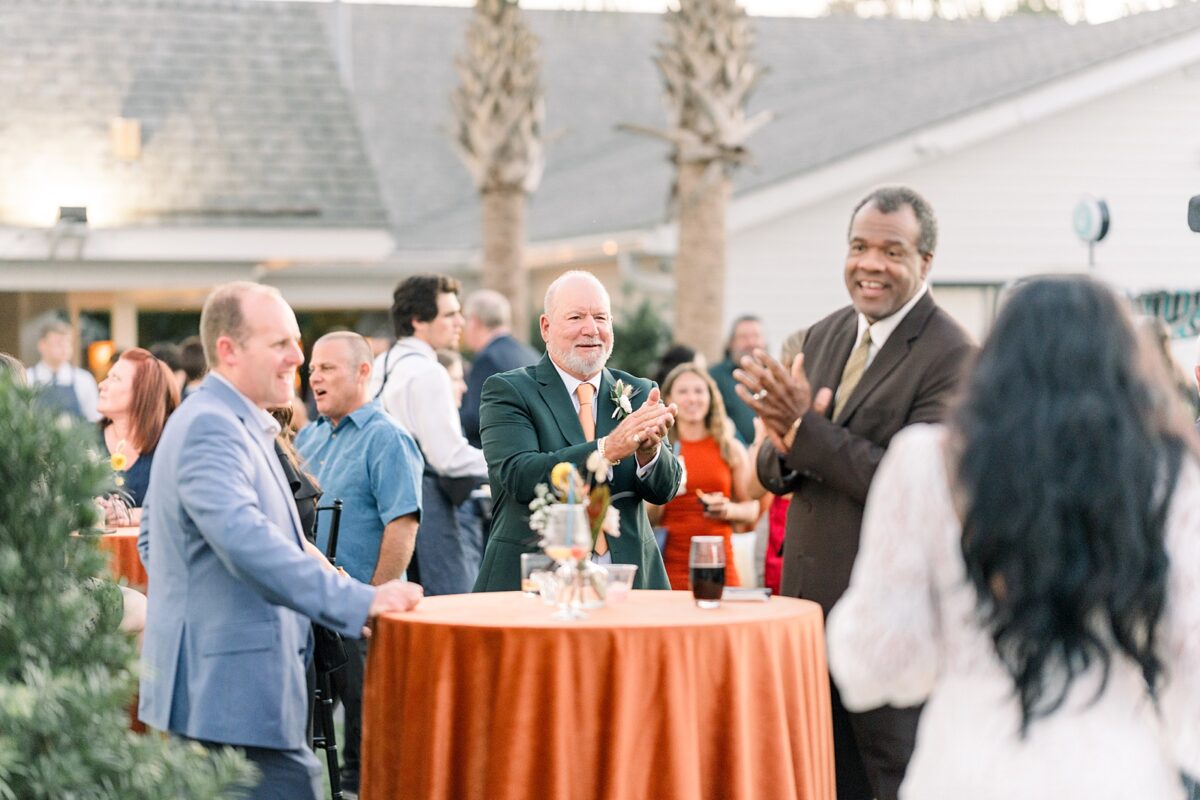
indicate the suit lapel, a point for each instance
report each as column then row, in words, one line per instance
column 824, row 365
column 894, row 351
column 554, row 393
column 239, row 406
column 268, row 450
column 605, row 406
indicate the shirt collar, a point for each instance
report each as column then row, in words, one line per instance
column 572, row 383
column 65, row 370
column 882, row 330
column 358, row 416
column 419, row 345
column 266, row 422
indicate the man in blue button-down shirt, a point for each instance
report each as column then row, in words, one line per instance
column 364, row 458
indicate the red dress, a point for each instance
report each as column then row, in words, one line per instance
column 684, row 517
column 773, row 569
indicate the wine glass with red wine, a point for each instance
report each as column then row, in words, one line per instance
column 707, row 563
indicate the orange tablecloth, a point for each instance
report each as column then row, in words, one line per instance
column 126, row 563
column 485, row 696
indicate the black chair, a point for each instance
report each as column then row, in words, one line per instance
column 329, row 655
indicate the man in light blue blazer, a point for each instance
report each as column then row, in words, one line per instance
column 232, row 589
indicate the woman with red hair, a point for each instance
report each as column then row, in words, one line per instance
column 135, row 400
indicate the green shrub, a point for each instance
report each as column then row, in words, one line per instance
column 67, row 679
column 639, row 339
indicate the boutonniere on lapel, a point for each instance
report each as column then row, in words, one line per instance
column 622, row 395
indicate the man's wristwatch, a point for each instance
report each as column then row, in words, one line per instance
column 600, row 449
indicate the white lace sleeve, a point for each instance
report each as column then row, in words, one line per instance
column 1179, row 696
column 883, row 631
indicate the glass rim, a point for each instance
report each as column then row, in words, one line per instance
column 708, row 539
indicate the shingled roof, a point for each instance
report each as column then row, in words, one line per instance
column 244, row 120
column 838, row 85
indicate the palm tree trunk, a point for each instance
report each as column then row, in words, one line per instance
column 503, row 265
column 700, row 261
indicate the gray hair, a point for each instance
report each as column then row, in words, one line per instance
column 492, row 309
column 360, row 348
column 890, row 199
column 222, row 315
column 548, row 301
column 54, row 325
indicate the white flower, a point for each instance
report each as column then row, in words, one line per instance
column 622, row 393
column 612, row 522
column 598, row 465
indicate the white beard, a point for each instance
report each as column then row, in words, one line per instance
column 576, row 363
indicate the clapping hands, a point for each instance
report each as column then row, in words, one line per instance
column 642, row 431
column 780, row 397
column 115, row 510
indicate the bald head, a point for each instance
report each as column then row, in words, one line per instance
column 354, row 346
column 224, row 314
column 577, row 325
column 339, row 371
column 576, row 280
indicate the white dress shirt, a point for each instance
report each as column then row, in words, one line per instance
column 417, row 394
column 883, row 329
column 80, row 380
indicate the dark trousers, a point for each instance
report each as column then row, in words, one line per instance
column 348, row 690
column 871, row 750
column 284, row 774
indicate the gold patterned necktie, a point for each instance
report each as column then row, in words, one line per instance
column 853, row 372
column 587, row 420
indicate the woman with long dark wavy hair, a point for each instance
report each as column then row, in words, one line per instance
column 1031, row 570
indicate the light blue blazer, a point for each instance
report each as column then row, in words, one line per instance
column 231, row 590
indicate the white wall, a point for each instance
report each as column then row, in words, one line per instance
column 1004, row 208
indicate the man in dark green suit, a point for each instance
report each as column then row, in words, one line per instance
column 535, row 417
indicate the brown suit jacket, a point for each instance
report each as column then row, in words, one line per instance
column 832, row 462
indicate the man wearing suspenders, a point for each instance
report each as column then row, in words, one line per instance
column 65, row 388
column 415, row 390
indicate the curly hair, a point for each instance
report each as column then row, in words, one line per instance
column 716, row 421
column 417, row 298
column 1069, row 442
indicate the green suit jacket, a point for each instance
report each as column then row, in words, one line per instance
column 528, row 424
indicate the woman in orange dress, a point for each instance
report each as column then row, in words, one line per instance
column 717, row 472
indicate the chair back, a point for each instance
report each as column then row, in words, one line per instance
column 334, row 523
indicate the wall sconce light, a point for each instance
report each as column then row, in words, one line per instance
column 73, row 215
column 67, row 236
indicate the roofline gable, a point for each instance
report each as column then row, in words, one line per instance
column 944, row 138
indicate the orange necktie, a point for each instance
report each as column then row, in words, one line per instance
column 586, row 393
column 587, row 420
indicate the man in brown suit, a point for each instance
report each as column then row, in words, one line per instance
column 890, row 359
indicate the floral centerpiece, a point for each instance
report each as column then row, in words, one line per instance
column 583, row 583
column 568, row 486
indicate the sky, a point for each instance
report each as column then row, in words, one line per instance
column 1094, row 11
